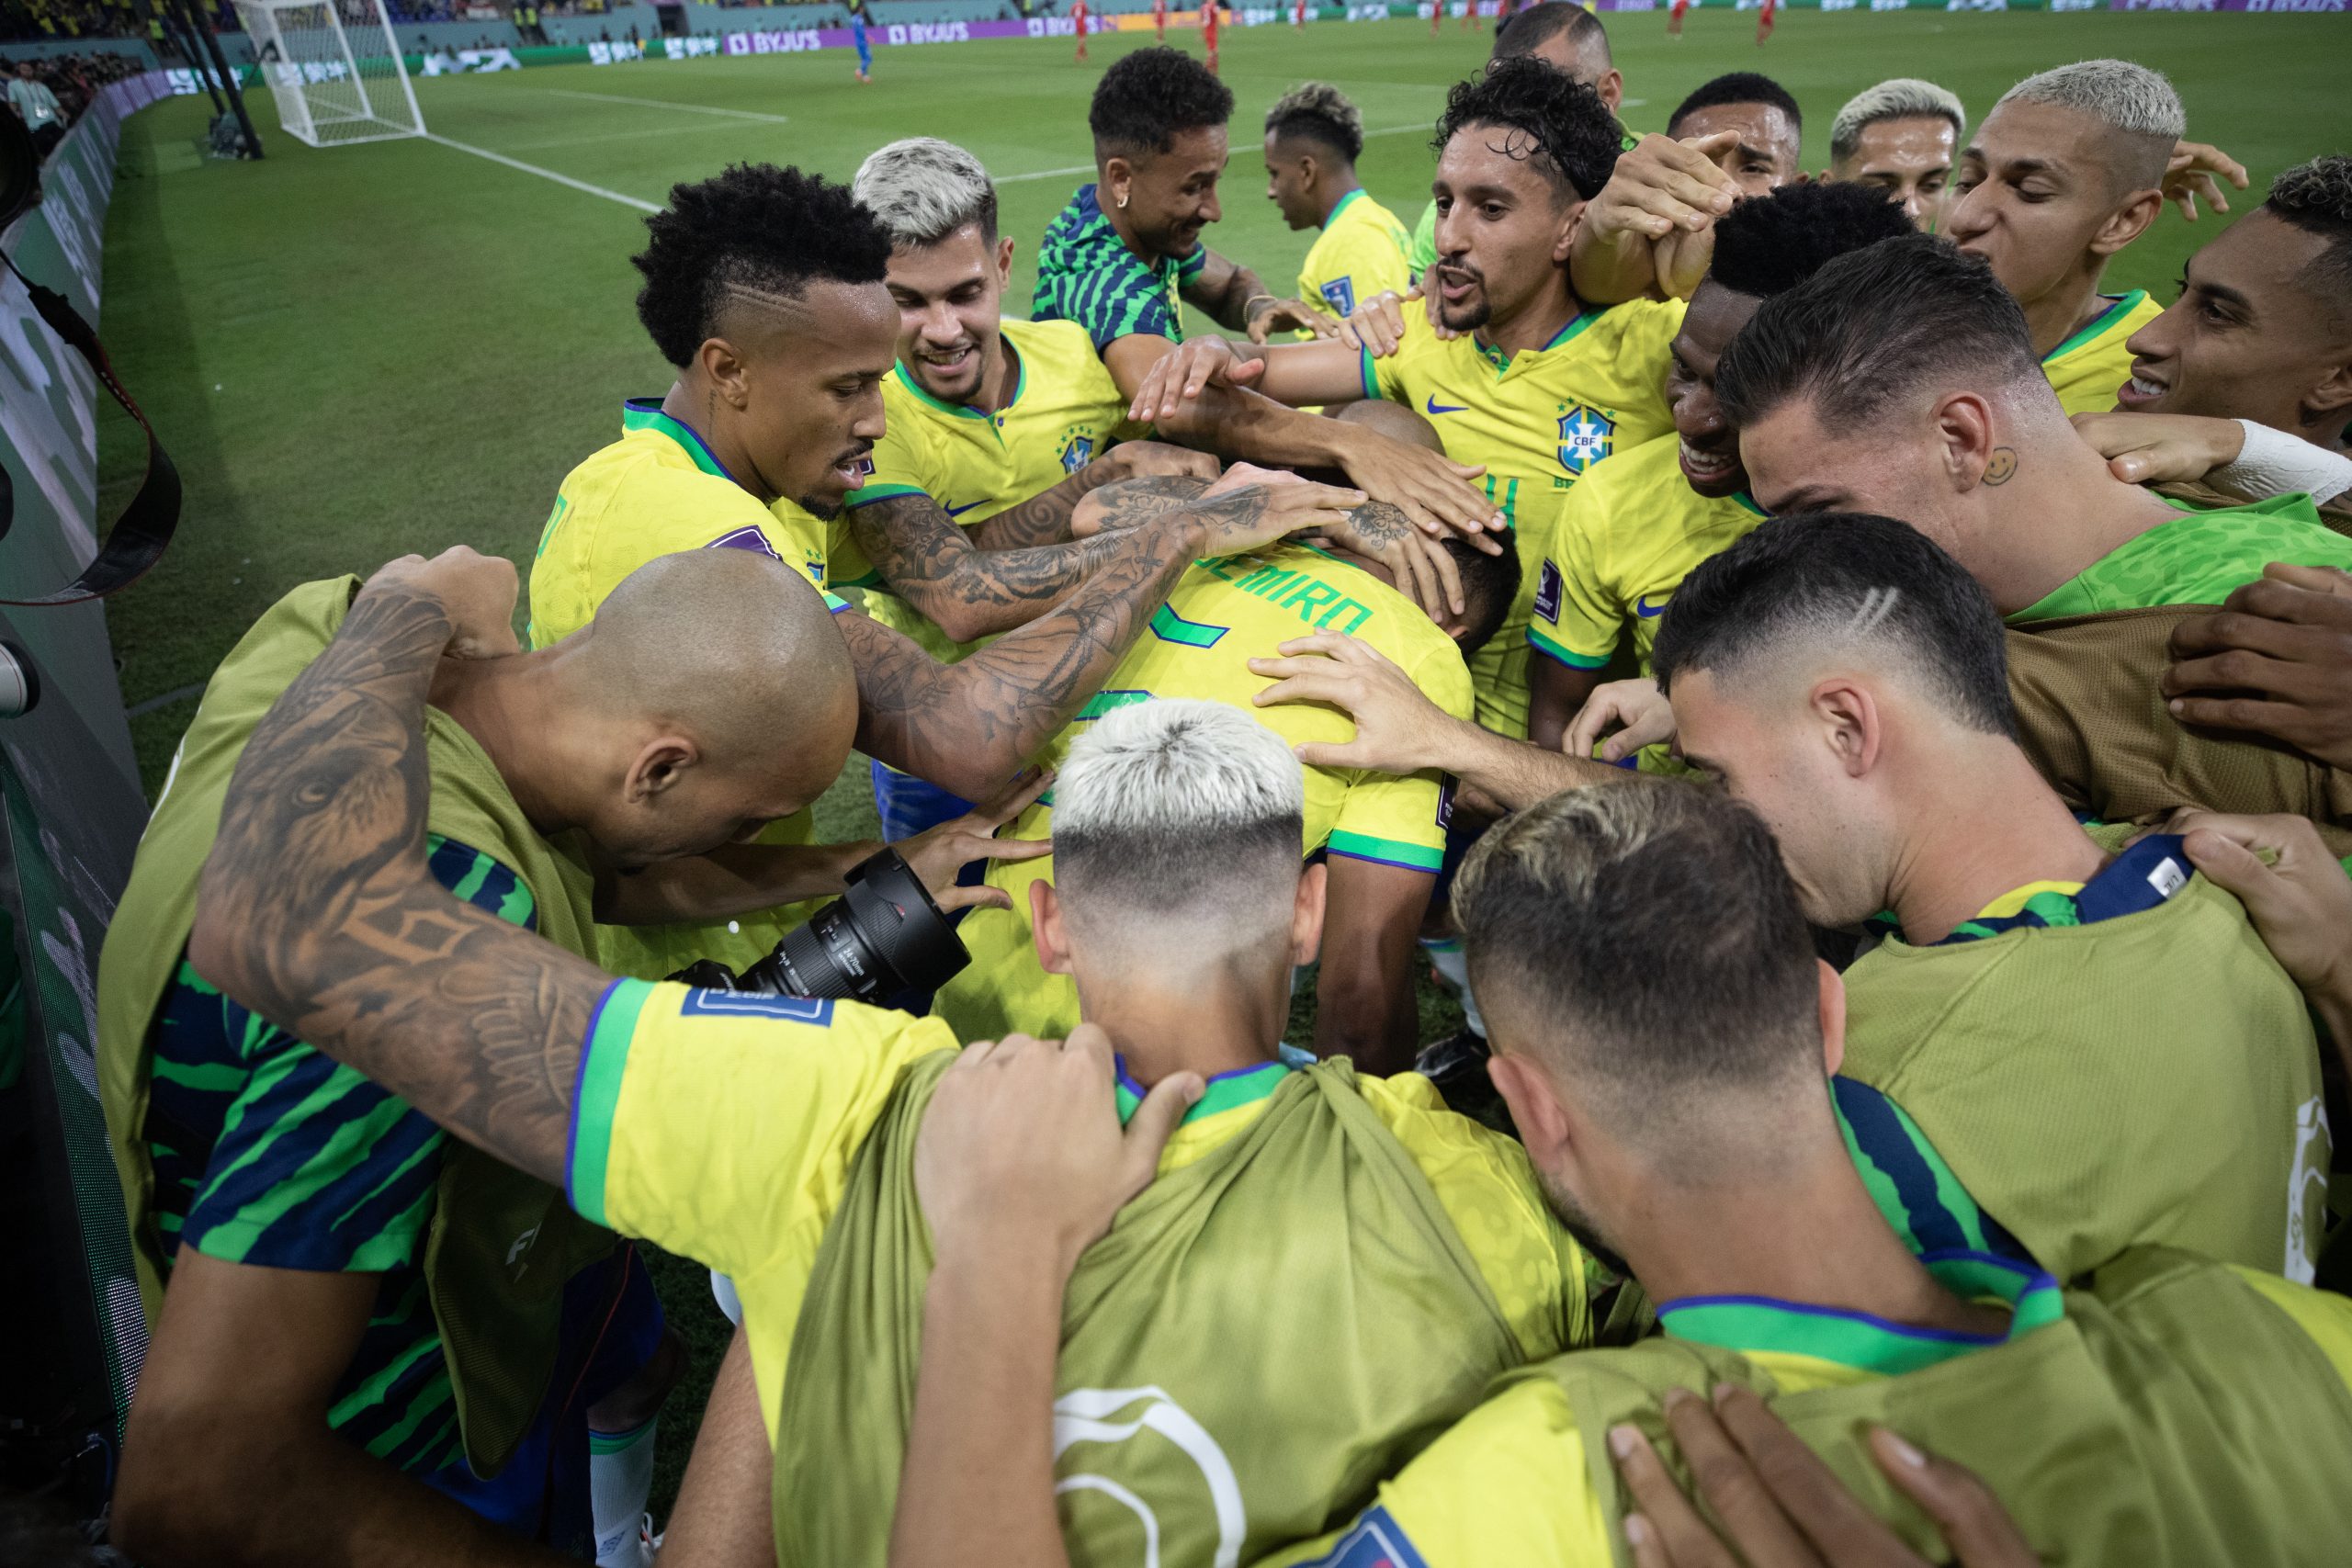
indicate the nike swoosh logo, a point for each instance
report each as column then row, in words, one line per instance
column 959, row 510
column 1435, row 406
column 1642, row 607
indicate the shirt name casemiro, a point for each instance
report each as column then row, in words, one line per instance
column 1301, row 590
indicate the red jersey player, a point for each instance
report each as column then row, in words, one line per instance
column 1298, row 15
column 1764, row 22
column 1160, row 19
column 1209, row 31
column 1077, row 16
column 1674, row 18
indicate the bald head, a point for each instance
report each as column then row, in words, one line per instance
column 731, row 646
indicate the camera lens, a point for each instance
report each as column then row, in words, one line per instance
column 881, row 938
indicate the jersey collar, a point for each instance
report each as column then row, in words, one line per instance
column 1503, row 362
column 1861, row 1340
column 2115, row 313
column 645, row 414
column 2143, row 876
column 1226, row 1091
column 1345, row 202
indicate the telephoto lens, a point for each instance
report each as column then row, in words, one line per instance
column 881, row 938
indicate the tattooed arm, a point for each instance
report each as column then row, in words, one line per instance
column 968, row 727
column 1045, row 518
column 316, row 910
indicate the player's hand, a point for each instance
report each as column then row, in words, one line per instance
column 1662, row 184
column 1252, row 506
column 1183, row 372
column 1430, row 487
column 1782, row 1508
column 476, row 591
column 2300, row 901
column 937, row 855
column 1377, row 324
column 1632, row 713
column 2282, row 647
column 1022, row 1147
column 2189, row 174
column 1399, row 729
column 1152, row 460
column 1290, row 315
column 2161, row 448
column 1419, row 565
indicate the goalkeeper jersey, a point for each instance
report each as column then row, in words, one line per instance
column 723, row 1127
column 2198, row 557
column 1538, row 420
column 2089, row 368
column 1221, row 615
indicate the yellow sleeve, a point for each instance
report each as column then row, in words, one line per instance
column 1399, row 819
column 2323, row 1314
column 716, row 1125
column 1386, row 377
column 1576, row 619
column 1506, row 1484
column 1489, row 1189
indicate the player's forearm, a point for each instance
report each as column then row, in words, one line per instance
column 1044, row 518
column 1555, row 694
column 724, row 1517
column 969, row 727
column 1610, row 267
column 1514, row 774
column 978, row 1485
column 1227, row 302
column 738, row 879
column 316, row 910
column 978, row 593
column 1240, row 423
column 217, row 1496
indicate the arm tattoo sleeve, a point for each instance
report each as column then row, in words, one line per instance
column 969, row 593
column 317, row 911
column 1044, row 518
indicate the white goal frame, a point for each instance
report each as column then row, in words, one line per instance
column 326, row 96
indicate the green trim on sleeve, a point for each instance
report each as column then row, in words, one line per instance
column 869, row 494
column 595, row 1095
column 1386, row 852
column 1371, row 377
column 1562, row 652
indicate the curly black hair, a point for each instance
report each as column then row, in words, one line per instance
column 2317, row 198
column 1576, row 138
column 1145, row 101
column 1737, row 87
column 755, row 225
column 1770, row 244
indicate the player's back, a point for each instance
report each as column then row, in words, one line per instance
column 1221, row 615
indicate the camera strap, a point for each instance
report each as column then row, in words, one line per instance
column 144, row 530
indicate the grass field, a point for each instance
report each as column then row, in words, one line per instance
column 396, row 347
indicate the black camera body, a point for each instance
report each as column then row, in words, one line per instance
column 883, row 937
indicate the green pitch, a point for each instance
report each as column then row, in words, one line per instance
column 378, row 349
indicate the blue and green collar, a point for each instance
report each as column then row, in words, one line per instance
column 1861, row 1340
column 645, row 414
column 1227, row 1091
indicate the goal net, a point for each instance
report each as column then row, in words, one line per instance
column 335, row 69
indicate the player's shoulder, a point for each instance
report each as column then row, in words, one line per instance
column 1647, row 322
column 1648, row 475
column 1063, row 353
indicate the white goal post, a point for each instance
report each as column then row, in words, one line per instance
column 335, row 69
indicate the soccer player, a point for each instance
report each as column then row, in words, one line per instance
column 1159, row 20
column 1900, row 136
column 2263, row 328
column 266, row 1185
column 1674, row 18
column 778, row 1138
column 765, row 288
column 1676, row 1112
column 865, row 50
column 1077, row 17
column 2067, row 170
column 1535, row 388
column 1565, row 37
column 1314, row 136
column 1383, row 836
column 1904, row 380
column 1764, row 127
column 1127, row 251
column 1209, row 31
column 1634, row 526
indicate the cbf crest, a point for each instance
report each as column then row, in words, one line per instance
column 1587, row 435
column 1078, row 453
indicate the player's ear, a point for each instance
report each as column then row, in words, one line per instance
column 724, row 367
column 1972, row 452
column 1004, row 260
column 658, row 767
column 2331, row 399
column 1118, row 179
column 1046, row 928
column 1563, row 238
column 2128, row 222
column 1611, row 88
column 1307, row 915
column 1847, row 719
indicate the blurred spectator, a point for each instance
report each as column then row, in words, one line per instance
column 36, row 107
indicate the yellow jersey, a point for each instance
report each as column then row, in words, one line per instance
column 655, row 491
column 722, row 1127
column 1221, row 615
column 1362, row 250
column 1538, row 420
column 2087, row 369
column 1066, row 410
column 1629, row 533
column 1511, row 1481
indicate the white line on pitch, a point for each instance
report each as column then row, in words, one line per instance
column 666, row 103
column 694, row 130
column 544, row 174
column 1044, row 173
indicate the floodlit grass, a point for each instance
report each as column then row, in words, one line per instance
column 364, row 352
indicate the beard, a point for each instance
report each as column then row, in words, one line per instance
column 823, row 508
column 1579, row 1225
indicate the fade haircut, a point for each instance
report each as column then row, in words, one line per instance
column 2317, row 198
column 1571, row 135
column 1898, row 98
column 1768, row 245
column 1737, row 87
column 1321, row 113
column 1178, row 813
column 1840, row 582
column 756, row 227
column 2136, row 105
column 1149, row 98
column 924, row 189
column 1539, row 25
column 1875, row 326
column 1650, row 935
